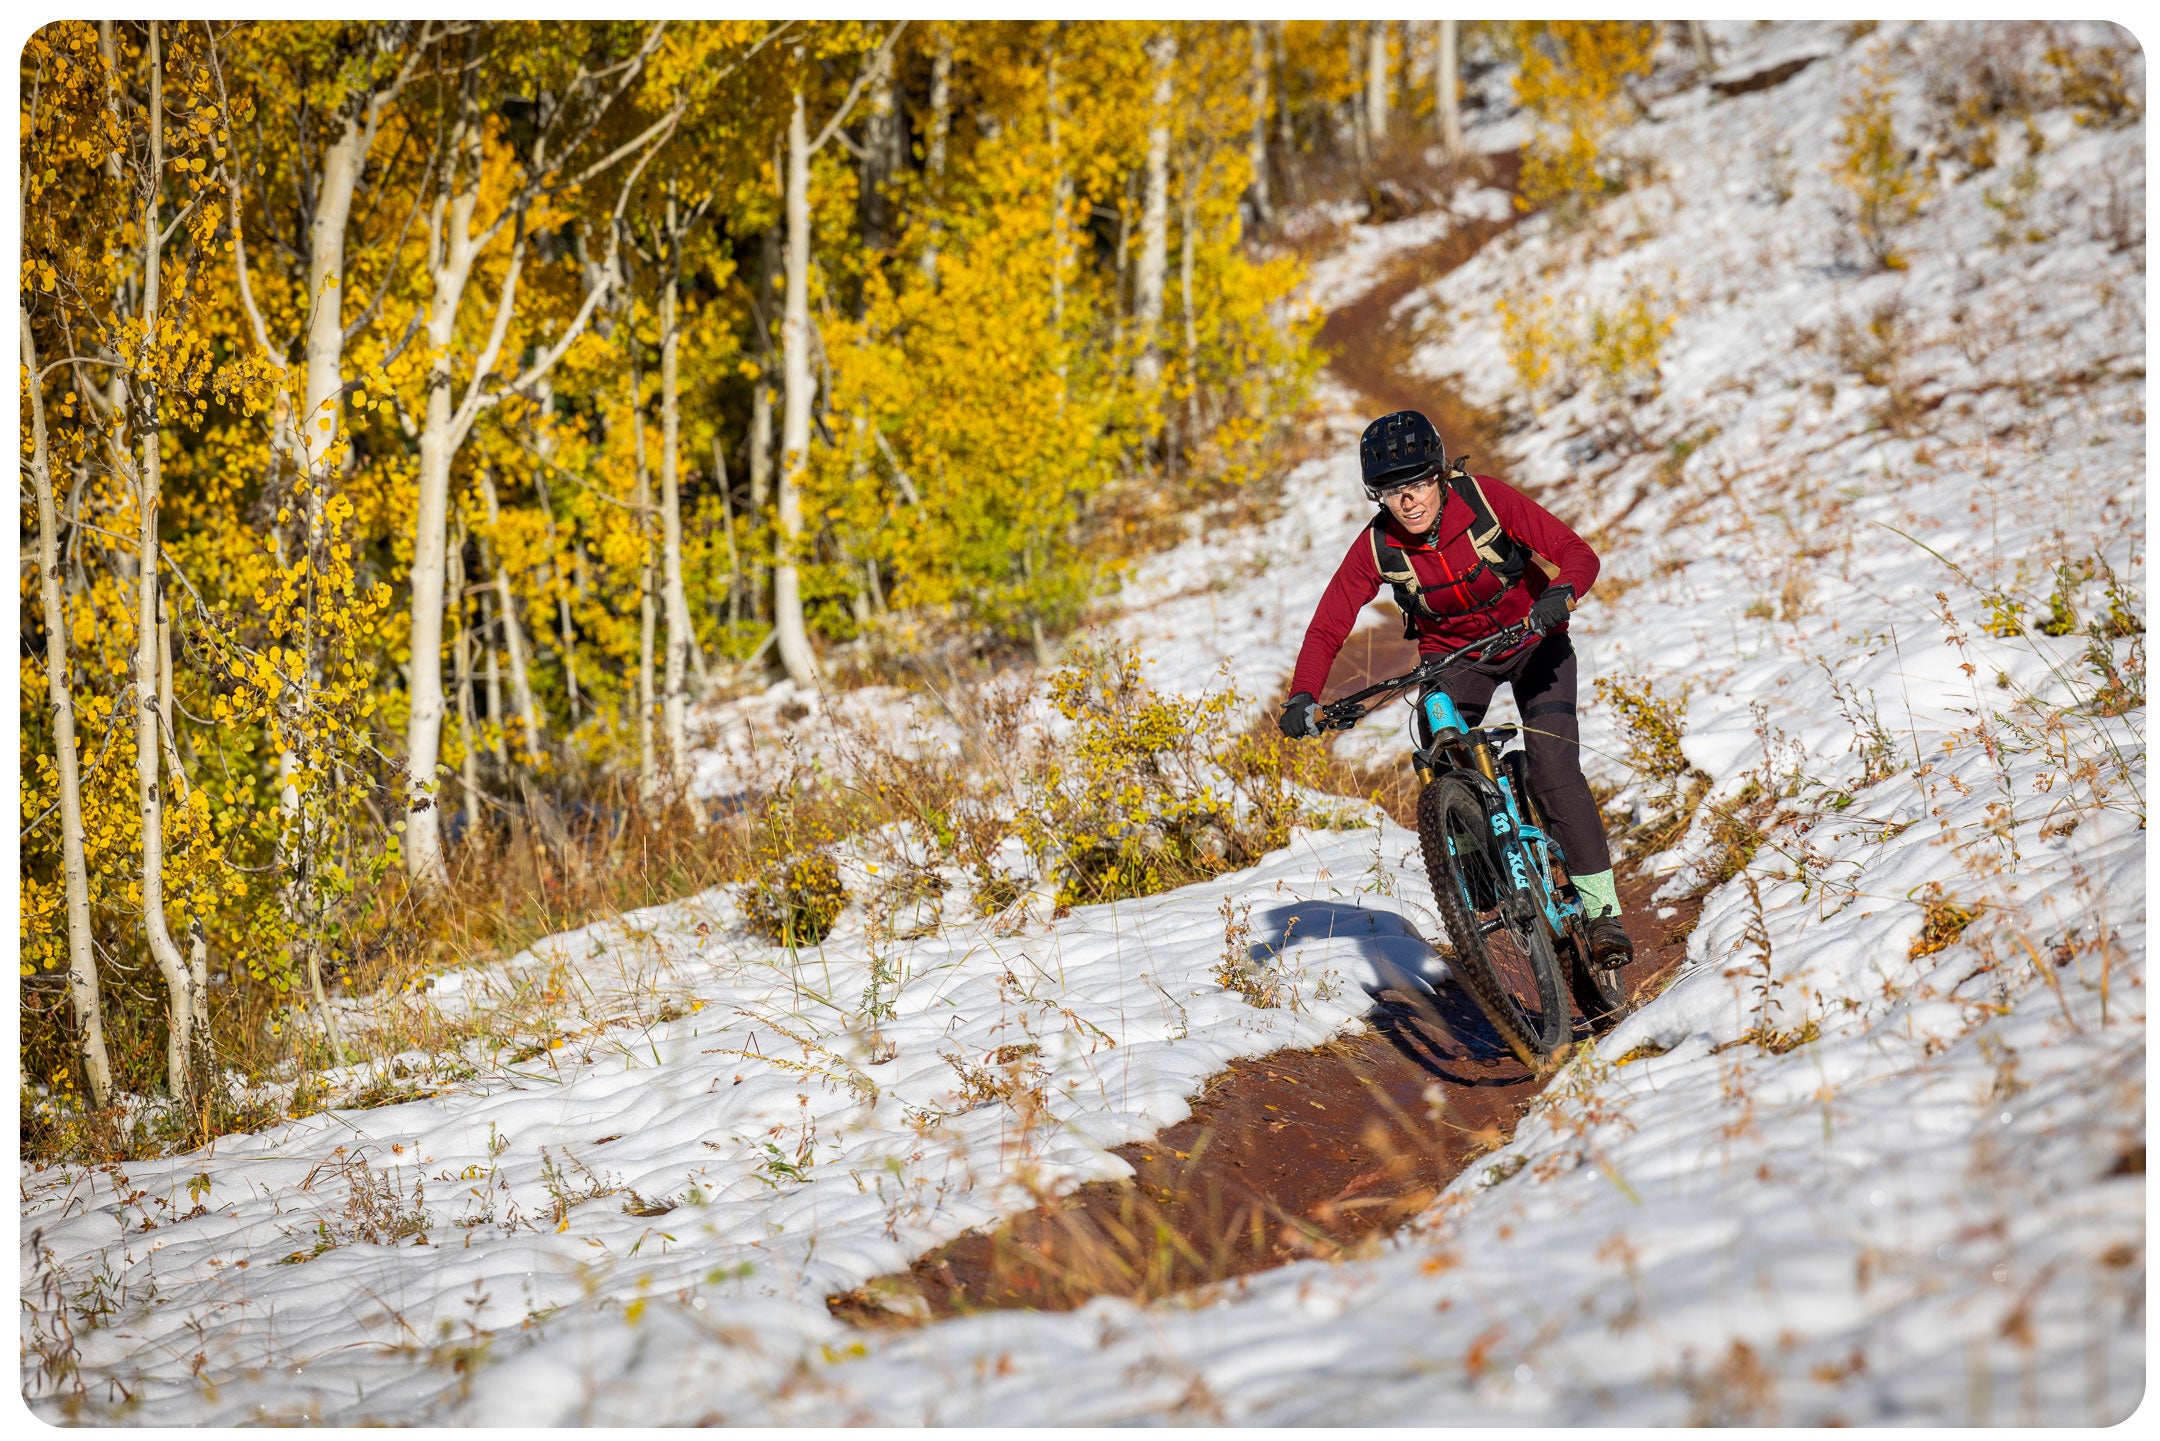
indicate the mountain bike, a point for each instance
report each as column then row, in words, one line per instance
column 1518, row 929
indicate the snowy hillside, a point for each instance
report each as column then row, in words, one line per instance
column 1875, row 1157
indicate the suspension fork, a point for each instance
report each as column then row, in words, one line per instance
column 1443, row 727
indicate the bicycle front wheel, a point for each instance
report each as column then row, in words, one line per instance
column 1502, row 954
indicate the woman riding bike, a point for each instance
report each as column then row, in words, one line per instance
column 1459, row 552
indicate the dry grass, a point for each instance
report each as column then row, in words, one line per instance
column 1211, row 796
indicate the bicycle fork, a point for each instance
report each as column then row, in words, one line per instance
column 1518, row 823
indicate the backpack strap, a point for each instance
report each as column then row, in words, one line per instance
column 1496, row 550
column 1494, row 546
column 1394, row 568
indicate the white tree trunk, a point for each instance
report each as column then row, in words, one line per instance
column 1155, row 216
column 450, row 257
column 521, row 692
column 675, row 697
column 182, row 1004
column 1263, row 203
column 641, row 499
column 791, row 635
column 1191, row 351
column 322, row 412
column 461, row 682
column 1285, row 121
column 1060, row 218
column 452, row 245
column 494, row 681
column 934, row 146
column 82, row 960
column 1354, row 105
column 734, row 556
column 761, row 444
column 1446, row 102
column 198, row 944
column 1376, row 82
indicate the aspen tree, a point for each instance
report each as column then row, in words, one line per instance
column 1355, row 103
column 941, row 63
column 793, row 640
column 681, row 639
column 491, row 656
column 874, row 168
column 1447, row 107
column 766, row 306
column 454, row 242
column 1377, row 100
column 521, row 691
column 641, row 506
column 461, row 679
column 1155, row 216
column 82, row 962
column 792, row 637
column 1263, row 206
column 182, row 1009
column 1285, row 120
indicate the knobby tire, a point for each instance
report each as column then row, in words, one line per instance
column 1452, row 805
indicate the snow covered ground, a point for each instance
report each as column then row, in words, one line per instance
column 1875, row 1157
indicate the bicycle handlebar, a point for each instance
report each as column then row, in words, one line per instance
column 1340, row 715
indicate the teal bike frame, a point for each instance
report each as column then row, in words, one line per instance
column 1527, row 849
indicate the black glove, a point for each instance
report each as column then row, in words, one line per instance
column 1300, row 716
column 1549, row 610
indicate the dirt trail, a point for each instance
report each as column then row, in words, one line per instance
column 1300, row 1152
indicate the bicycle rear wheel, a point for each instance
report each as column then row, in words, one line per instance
column 1502, row 954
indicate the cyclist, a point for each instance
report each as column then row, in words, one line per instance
column 1458, row 551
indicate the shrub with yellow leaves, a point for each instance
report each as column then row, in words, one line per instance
column 1875, row 167
column 1153, row 791
column 1573, row 80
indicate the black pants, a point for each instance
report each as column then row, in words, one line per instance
column 1543, row 677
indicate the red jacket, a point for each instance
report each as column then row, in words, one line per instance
column 1440, row 568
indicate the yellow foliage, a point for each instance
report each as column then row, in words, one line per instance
column 1875, row 167
column 980, row 439
column 1622, row 346
column 1532, row 343
column 1151, row 791
column 1573, row 79
column 2094, row 82
column 1617, row 348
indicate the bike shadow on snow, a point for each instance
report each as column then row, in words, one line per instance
column 1421, row 1009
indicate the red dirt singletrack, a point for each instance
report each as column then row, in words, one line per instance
column 1297, row 1153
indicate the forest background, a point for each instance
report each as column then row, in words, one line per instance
column 418, row 418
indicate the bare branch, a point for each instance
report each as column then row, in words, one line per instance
column 907, row 487
column 862, row 78
column 185, row 211
column 275, row 353
column 505, row 303
column 631, row 68
column 382, row 291
column 581, row 482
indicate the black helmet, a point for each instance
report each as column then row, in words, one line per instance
column 1397, row 450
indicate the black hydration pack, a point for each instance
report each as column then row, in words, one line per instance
column 1497, row 551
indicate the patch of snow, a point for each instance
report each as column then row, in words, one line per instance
column 1874, row 1157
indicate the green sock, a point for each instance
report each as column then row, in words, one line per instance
column 1599, row 897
